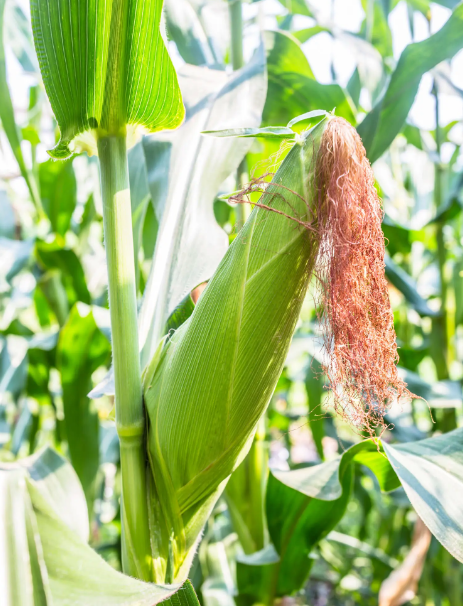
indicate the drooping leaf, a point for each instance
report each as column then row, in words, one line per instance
column 431, row 472
column 82, row 348
column 268, row 132
column 301, row 503
column 105, row 65
column 386, row 119
column 45, row 558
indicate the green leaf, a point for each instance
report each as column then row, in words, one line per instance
column 58, row 189
column 431, row 472
column 214, row 378
column 8, row 120
column 316, row 113
column 303, row 506
column 82, row 348
column 45, row 558
column 305, row 34
column 185, row 172
column 292, row 87
column 268, row 132
column 255, row 576
column 385, row 121
column 105, row 65
column 297, row 521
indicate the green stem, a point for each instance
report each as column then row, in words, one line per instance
column 236, row 22
column 258, row 466
column 130, row 421
column 446, row 420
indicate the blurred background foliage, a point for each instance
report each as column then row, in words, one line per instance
column 391, row 68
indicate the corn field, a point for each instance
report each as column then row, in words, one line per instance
column 231, row 302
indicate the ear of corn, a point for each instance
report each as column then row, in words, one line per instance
column 208, row 385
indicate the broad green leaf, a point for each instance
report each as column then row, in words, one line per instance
column 292, row 87
column 256, row 575
column 82, row 348
column 213, row 379
column 301, row 503
column 297, row 522
column 105, row 65
column 185, row 172
column 380, row 127
column 45, row 560
column 21, row 580
column 58, row 190
column 407, row 286
column 431, row 472
column 304, row 505
column 8, row 119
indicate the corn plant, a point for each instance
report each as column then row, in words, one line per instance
column 192, row 382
